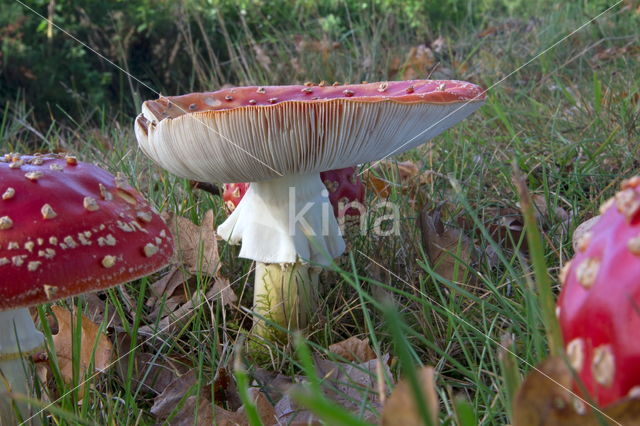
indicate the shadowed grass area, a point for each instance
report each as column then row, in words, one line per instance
column 569, row 119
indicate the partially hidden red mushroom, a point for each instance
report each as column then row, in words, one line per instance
column 232, row 194
column 346, row 192
column 66, row 227
column 599, row 305
column 280, row 138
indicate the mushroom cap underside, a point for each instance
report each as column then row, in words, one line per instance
column 204, row 137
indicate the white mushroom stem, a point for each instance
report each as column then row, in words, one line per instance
column 285, row 220
column 19, row 338
column 285, row 225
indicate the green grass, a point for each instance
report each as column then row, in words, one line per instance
column 568, row 120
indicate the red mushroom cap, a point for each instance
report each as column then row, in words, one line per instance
column 599, row 306
column 344, row 187
column 69, row 227
column 407, row 92
column 254, row 134
column 232, row 194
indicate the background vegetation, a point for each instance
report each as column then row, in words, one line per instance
column 569, row 117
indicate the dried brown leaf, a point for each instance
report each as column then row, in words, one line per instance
column 353, row 349
column 221, row 290
column 274, row 384
column 266, row 410
column 91, row 338
column 165, row 403
column 400, row 408
column 151, row 372
column 542, row 209
column 544, row 399
column 288, row 413
column 196, row 245
column 439, row 45
column 96, row 308
column 354, row 386
column 419, row 62
column 450, row 251
column 168, row 293
column 405, row 176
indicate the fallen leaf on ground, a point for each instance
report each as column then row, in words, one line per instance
column 419, row 62
column 168, row 293
column 100, row 310
column 91, row 339
column 173, row 321
column 353, row 349
column 439, row 45
column 400, row 408
column 355, row 386
column 289, row 413
column 266, row 410
column 384, row 175
column 543, row 212
column 274, row 384
column 198, row 408
column 196, row 245
column 195, row 406
column 450, row 251
column 152, row 372
column 545, row 399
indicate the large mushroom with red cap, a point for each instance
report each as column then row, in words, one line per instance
column 280, row 138
column 66, row 227
column 599, row 306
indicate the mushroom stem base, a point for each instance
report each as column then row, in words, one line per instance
column 18, row 339
column 285, row 298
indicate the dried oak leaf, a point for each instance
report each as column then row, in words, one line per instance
column 354, row 349
column 94, row 346
column 545, row 399
column 196, row 245
column 400, row 409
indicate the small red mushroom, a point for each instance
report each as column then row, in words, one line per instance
column 66, row 227
column 344, row 186
column 232, row 194
column 599, row 306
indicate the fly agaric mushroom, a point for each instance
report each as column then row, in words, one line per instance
column 66, row 227
column 232, row 194
column 280, row 138
column 344, row 186
column 599, row 306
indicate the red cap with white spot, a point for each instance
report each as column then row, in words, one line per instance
column 69, row 227
column 599, row 306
